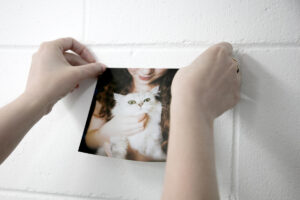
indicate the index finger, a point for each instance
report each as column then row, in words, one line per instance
column 71, row 44
column 137, row 117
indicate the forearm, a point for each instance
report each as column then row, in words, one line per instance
column 16, row 120
column 190, row 169
column 52, row 76
column 94, row 139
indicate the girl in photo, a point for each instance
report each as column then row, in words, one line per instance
column 131, row 114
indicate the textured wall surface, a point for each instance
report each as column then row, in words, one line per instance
column 257, row 143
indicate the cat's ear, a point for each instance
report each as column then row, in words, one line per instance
column 155, row 90
column 117, row 96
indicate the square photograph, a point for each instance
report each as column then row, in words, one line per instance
column 130, row 114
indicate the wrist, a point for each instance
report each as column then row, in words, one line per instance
column 37, row 102
column 189, row 106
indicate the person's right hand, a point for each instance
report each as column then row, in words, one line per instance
column 210, row 84
column 124, row 125
column 54, row 72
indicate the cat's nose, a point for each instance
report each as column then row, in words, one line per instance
column 140, row 104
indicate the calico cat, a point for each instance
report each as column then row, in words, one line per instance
column 148, row 141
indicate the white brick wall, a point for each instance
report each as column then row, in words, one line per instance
column 257, row 144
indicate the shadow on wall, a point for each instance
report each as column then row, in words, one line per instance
column 77, row 103
column 269, row 128
column 129, row 173
column 270, row 122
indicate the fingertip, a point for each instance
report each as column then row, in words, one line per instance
column 100, row 68
column 141, row 117
column 88, row 56
column 103, row 67
column 92, row 56
column 91, row 70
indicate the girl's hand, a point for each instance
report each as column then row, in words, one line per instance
column 124, row 125
column 210, row 84
column 52, row 74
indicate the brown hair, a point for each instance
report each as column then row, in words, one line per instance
column 108, row 85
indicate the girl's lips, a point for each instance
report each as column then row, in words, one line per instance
column 145, row 78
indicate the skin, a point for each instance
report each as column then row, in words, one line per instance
column 213, row 88
column 53, row 74
column 100, row 131
column 143, row 77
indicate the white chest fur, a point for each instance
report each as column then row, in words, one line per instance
column 148, row 142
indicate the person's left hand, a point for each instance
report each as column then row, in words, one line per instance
column 53, row 75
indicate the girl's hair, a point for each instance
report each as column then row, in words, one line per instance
column 120, row 81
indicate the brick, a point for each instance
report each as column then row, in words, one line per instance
column 192, row 22
column 268, row 125
column 33, row 21
column 20, row 195
column 14, row 68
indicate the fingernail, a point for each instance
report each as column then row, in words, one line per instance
column 101, row 68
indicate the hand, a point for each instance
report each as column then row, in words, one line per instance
column 52, row 74
column 210, row 83
column 124, row 125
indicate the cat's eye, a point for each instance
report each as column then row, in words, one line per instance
column 131, row 102
column 147, row 100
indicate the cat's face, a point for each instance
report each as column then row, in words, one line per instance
column 133, row 103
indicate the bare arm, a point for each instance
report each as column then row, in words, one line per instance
column 15, row 122
column 190, row 163
column 200, row 92
column 51, row 77
column 100, row 131
column 94, row 138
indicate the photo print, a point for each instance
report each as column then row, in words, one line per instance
column 129, row 114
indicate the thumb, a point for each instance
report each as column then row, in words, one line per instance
column 90, row 70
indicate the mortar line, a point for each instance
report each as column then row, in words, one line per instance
column 83, row 19
column 49, row 194
column 166, row 45
column 232, row 184
column 235, row 156
column 195, row 45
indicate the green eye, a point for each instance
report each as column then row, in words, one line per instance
column 131, row 102
column 147, row 100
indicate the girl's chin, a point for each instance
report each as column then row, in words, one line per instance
column 144, row 82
